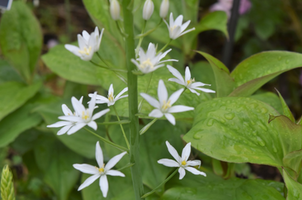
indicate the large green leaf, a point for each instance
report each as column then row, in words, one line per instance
column 17, row 122
column 242, row 130
column 224, row 82
column 72, row 68
column 269, row 98
column 7, row 73
column 258, row 69
column 294, row 189
column 14, row 95
column 56, row 161
column 21, row 38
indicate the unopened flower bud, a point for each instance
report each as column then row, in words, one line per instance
column 148, row 9
column 115, row 9
column 164, row 8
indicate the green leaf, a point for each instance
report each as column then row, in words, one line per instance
column 14, row 95
column 17, row 122
column 258, row 69
column 270, row 98
column 56, row 161
column 240, row 130
column 293, row 160
column 7, row 73
column 294, row 189
column 80, row 142
column 224, row 82
column 213, row 21
column 21, row 38
column 286, row 110
column 71, row 67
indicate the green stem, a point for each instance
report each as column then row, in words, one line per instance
column 122, row 128
column 140, row 103
column 132, row 101
column 107, row 141
column 149, row 193
column 116, row 122
column 120, row 29
column 140, row 40
column 145, row 128
column 165, row 46
column 148, row 32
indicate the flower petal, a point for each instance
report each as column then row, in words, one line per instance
column 168, row 162
column 176, row 73
column 71, row 118
column 173, row 98
column 122, row 92
column 193, row 162
column 193, row 91
column 88, row 181
column 173, row 151
column 187, row 74
column 104, row 186
column 170, row 118
column 179, row 108
column 151, row 100
column 92, row 104
column 186, row 151
column 73, row 49
column 75, row 128
column 182, row 173
column 162, row 92
column 66, row 110
column 59, row 124
column 156, row 113
column 115, row 173
column 100, row 114
column 64, row 130
column 85, row 168
column 205, row 90
column 93, row 125
column 195, row 171
column 112, row 162
column 177, row 81
column 77, row 106
column 99, row 154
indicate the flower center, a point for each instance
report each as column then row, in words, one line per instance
column 189, row 82
column 147, row 64
column 183, row 163
column 101, row 170
column 85, row 51
column 85, row 115
column 166, row 105
column 172, row 28
column 111, row 97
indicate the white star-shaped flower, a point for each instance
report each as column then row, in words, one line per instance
column 182, row 162
column 149, row 61
column 164, row 105
column 111, row 99
column 188, row 82
column 176, row 28
column 101, row 171
column 80, row 118
column 88, row 44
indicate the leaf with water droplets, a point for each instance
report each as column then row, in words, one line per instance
column 286, row 110
column 294, row 189
column 248, row 133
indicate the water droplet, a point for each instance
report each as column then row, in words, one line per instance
column 229, row 116
column 287, row 61
column 263, row 110
column 210, row 122
column 262, row 127
column 253, row 105
column 260, row 142
column 197, row 136
column 274, row 149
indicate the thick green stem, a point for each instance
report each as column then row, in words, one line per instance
column 133, row 102
column 122, row 128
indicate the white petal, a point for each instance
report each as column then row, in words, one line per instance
column 176, row 73
column 122, row 92
column 173, row 98
column 82, row 42
column 193, row 162
column 85, row 168
column 66, row 110
column 192, row 29
column 186, row 152
column 77, row 106
column 115, row 173
column 193, row 91
column 104, row 185
column 185, row 25
column 59, row 124
column 175, row 33
column 168, row 162
column 197, row 84
column 112, row 162
column 187, row 74
column 171, row 20
column 64, row 130
column 73, row 49
column 152, row 101
column 170, row 118
column 177, row 81
column 111, row 90
column 156, row 113
column 93, row 125
column 85, row 35
column 182, row 173
column 92, row 104
column 100, row 114
column 71, row 118
column 162, row 92
column 101, row 99
column 195, row 171
column 178, row 20
column 120, row 97
column 173, row 151
column 75, row 128
column 179, row 108
column 205, row 90
column 88, row 181
column 99, row 155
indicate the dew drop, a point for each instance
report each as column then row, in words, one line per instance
column 253, row 105
column 263, row 110
column 229, row 116
column 197, row 136
column 275, row 149
column 260, row 142
column 210, row 122
column 262, row 127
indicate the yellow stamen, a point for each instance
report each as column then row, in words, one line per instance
column 172, row 28
column 85, row 116
column 147, row 63
column 85, row 51
column 110, row 97
column 183, row 163
column 190, row 81
column 166, row 105
column 101, row 170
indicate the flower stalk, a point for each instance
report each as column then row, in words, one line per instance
column 122, row 128
column 133, row 101
column 7, row 186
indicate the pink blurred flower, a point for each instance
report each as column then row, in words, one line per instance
column 226, row 6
